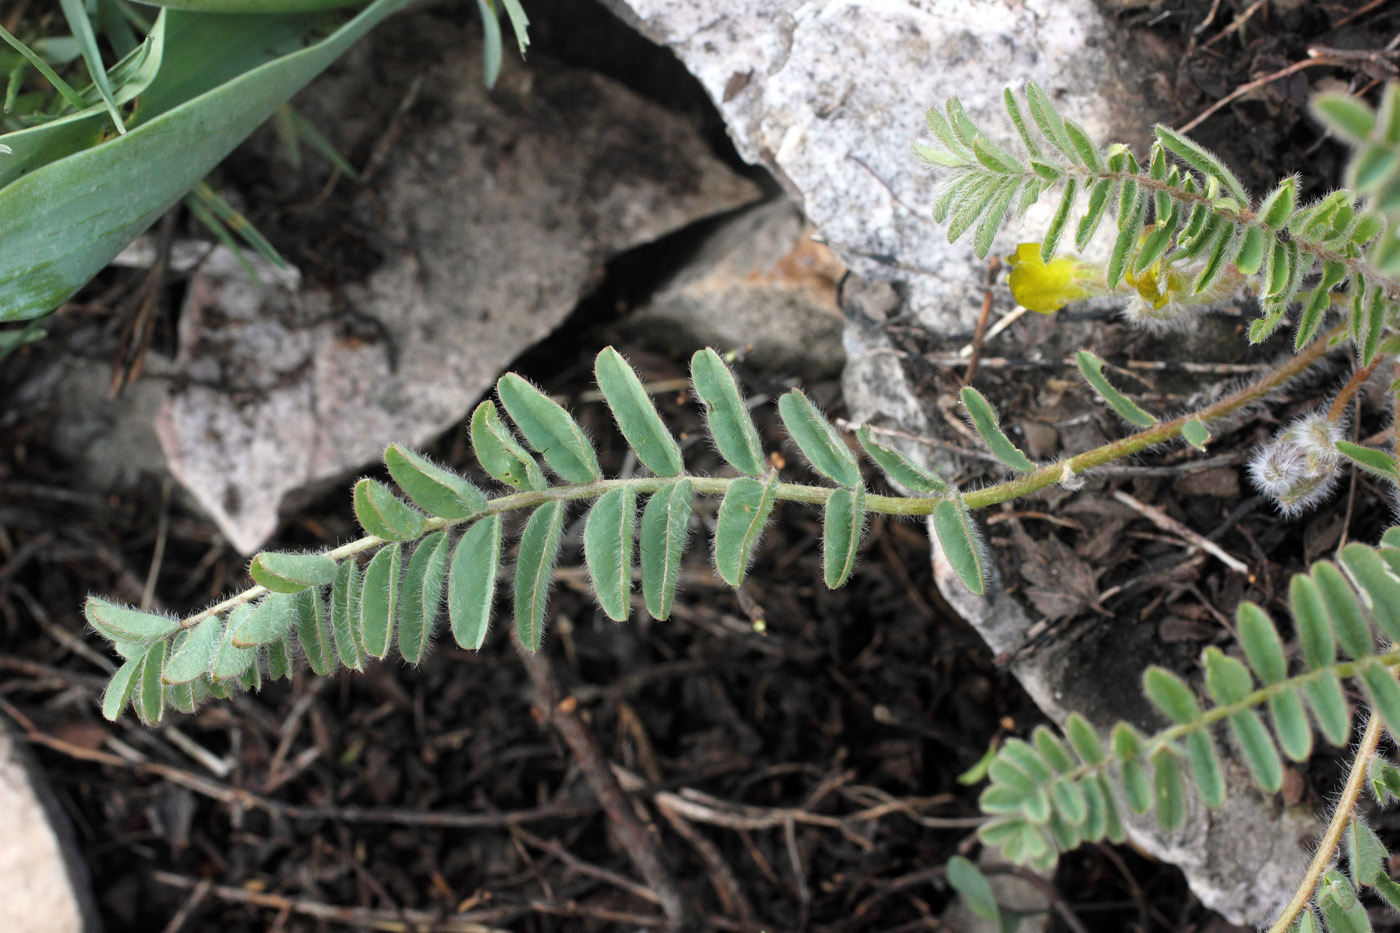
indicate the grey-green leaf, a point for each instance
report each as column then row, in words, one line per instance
column 952, row 525
column 1168, row 791
column 539, row 549
column 379, row 600
column 842, row 525
column 385, row 515
column 421, row 595
column 311, row 633
column 500, row 454
column 731, row 427
column 607, row 550
column 665, row 526
column 118, row 623
column 150, row 689
column 119, row 689
column 1171, row 695
column 1195, row 433
column 984, row 419
column 636, row 416
column 549, row 429
column 818, row 440
column 899, row 467
column 965, row 878
column 272, row 618
column 345, row 616
column 471, row 583
column 196, row 654
column 291, row 573
column 1091, row 368
column 434, row 489
column 229, row 659
column 742, row 516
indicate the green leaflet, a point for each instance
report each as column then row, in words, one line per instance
column 729, row 422
column 1372, row 576
column 434, row 489
column 1091, row 368
column 195, row 655
column 1169, row 694
column 267, row 623
column 742, row 516
column 636, row 416
column 843, row 523
column 120, row 687
column 345, row 616
column 539, row 549
column 965, row 878
column 230, row 660
column 471, row 583
column 1057, row 224
column 952, row 525
column 279, row 658
column 1202, row 161
column 1341, row 909
column 311, row 633
column 1085, row 739
column 899, row 467
column 1168, row 790
column 984, row 419
column 607, row 550
column 149, row 699
column 379, row 600
column 1348, row 621
column 291, row 573
column 818, row 440
column 385, row 515
column 1365, row 853
column 500, row 454
column 549, row 429
column 1195, row 433
column 421, row 595
column 1260, row 640
column 1383, row 692
column 665, row 527
column 1371, row 460
column 118, row 623
column 1204, row 762
column 1277, row 208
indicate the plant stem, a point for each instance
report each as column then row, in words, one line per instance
column 1354, row 384
column 1326, row 849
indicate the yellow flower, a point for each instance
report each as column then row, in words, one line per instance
column 1046, row 287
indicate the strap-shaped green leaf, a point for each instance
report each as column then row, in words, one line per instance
column 149, row 700
column 315, row 643
column 1202, row 161
column 421, row 595
column 899, row 467
column 120, row 688
column 549, row 429
column 195, row 654
column 385, row 515
column 952, row 525
column 229, row 659
column 818, row 440
column 379, row 600
column 500, row 454
column 730, row 425
column 984, row 419
column 291, row 573
column 607, row 550
column 118, row 623
column 1373, row 577
column 1168, row 790
column 268, row 622
column 434, row 489
column 665, row 527
column 471, row 582
column 843, row 524
column 636, row 416
column 539, row 549
column 345, row 616
column 1091, row 368
column 742, row 516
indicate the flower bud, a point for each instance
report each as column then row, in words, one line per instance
column 1299, row 467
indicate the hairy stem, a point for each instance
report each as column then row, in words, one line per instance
column 1327, row 848
column 1354, row 384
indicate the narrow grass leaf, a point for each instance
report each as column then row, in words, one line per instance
column 195, row 655
column 379, row 600
column 345, row 616
column 491, row 53
column 119, row 689
column 743, row 513
column 636, row 416
column 819, row 442
column 607, row 550
column 385, row 515
column 953, row 527
column 434, row 489
column 534, row 568
column 1091, row 368
column 898, row 467
column 76, row 14
column 730, row 426
column 843, row 522
column 500, row 454
column 273, row 617
column 291, row 573
column 471, row 583
column 984, row 419
column 549, row 429
column 421, row 596
column 316, row 645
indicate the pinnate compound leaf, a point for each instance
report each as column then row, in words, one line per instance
column 120, row 688
column 149, row 700
column 120, row 624
column 607, row 550
column 315, row 643
column 500, row 454
column 194, row 656
column 898, row 467
column 379, row 600
column 471, row 583
column 743, row 514
column 385, row 515
column 272, row 618
column 968, row 880
column 953, row 527
column 1091, row 368
column 534, row 568
column 842, row 526
column 291, row 573
column 636, row 416
column 818, row 440
column 984, row 419
column 549, row 429
column 434, row 489
column 345, row 616
column 421, row 595
column 665, row 526
column 730, row 425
